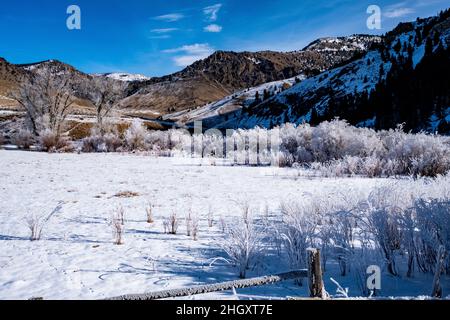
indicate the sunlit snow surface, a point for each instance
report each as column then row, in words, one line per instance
column 76, row 258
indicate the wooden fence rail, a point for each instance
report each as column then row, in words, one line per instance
column 313, row 273
column 202, row 289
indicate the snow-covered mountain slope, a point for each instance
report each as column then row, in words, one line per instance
column 126, row 77
column 351, row 43
column 350, row 91
column 225, row 72
column 237, row 101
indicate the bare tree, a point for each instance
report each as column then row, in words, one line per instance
column 105, row 94
column 47, row 99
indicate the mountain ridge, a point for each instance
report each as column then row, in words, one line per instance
column 364, row 90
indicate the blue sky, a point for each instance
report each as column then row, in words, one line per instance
column 157, row 37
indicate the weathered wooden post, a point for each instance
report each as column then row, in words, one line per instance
column 315, row 279
column 437, row 288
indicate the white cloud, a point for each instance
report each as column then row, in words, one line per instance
column 398, row 13
column 163, row 36
column 213, row 28
column 191, row 53
column 171, row 17
column 398, row 10
column 212, row 11
column 165, row 30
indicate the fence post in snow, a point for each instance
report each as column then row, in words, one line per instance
column 315, row 279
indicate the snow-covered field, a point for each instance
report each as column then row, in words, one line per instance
column 76, row 258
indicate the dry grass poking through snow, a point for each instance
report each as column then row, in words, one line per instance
column 126, row 194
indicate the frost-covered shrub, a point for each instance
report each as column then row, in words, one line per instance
column 2, row 139
column 112, row 142
column 298, row 233
column 49, row 141
column 385, row 226
column 243, row 244
column 329, row 141
column 118, row 225
column 195, row 225
column 418, row 154
column 338, row 146
column 23, row 139
column 400, row 224
column 171, row 224
column 431, row 164
column 150, row 214
column 158, row 140
column 135, row 136
column 93, row 144
column 188, row 221
column 285, row 160
column 372, row 167
column 212, row 144
column 341, row 229
column 181, row 142
column 210, row 217
column 337, row 139
column 433, row 223
column 36, row 223
column 97, row 142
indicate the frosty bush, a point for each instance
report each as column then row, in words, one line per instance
column 93, row 144
column 243, row 244
column 150, row 215
column 23, row 139
column 333, row 148
column 135, row 136
column 171, row 224
column 188, row 221
column 2, row 140
column 112, row 142
column 433, row 223
column 118, row 225
column 158, row 141
column 195, row 225
column 210, row 217
column 328, row 141
column 298, row 233
column 50, row 141
column 419, row 154
column 388, row 234
column 36, row 223
column 341, row 149
column 105, row 139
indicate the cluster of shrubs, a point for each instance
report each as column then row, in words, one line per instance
column 332, row 148
column 135, row 138
column 336, row 148
column 401, row 227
